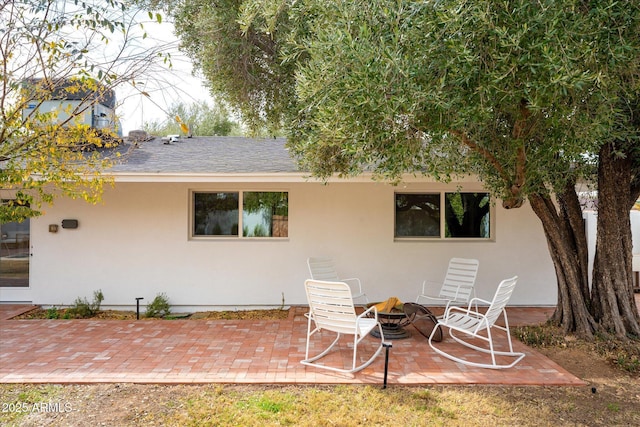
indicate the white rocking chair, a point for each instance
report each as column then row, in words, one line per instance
column 458, row 285
column 476, row 325
column 331, row 308
column 321, row 268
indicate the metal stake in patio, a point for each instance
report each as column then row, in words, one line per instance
column 138, row 307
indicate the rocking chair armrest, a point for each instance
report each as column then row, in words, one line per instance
column 353, row 279
column 432, row 298
column 430, row 283
column 368, row 311
column 475, row 301
column 460, row 287
column 466, row 311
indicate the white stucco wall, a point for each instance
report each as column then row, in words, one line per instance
column 136, row 244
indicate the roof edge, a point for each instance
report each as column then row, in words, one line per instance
column 293, row 177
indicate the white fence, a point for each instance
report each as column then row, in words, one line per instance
column 591, row 218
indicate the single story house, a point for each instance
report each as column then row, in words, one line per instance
column 226, row 222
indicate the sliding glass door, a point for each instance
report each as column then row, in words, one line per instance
column 14, row 254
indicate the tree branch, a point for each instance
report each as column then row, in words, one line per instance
column 486, row 154
column 520, row 131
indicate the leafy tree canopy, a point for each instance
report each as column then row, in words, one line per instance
column 201, row 119
column 530, row 96
column 73, row 53
column 514, row 91
column 243, row 67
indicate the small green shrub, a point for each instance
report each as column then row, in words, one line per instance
column 83, row 309
column 159, row 307
column 53, row 313
column 545, row 335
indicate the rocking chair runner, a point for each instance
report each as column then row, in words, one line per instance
column 331, row 308
column 474, row 324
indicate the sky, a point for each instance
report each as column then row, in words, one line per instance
column 165, row 86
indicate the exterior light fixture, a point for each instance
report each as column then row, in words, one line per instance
column 69, row 223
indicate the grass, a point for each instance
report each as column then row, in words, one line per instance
column 352, row 405
column 19, row 402
column 330, row 406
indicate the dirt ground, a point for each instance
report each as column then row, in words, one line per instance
column 612, row 398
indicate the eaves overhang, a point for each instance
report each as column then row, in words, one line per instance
column 274, row 177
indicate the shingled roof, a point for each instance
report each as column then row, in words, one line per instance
column 207, row 155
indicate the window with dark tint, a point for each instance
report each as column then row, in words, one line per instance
column 215, row 214
column 417, row 215
column 465, row 215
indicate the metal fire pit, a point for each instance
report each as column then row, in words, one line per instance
column 393, row 323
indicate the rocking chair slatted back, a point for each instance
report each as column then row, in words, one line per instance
column 500, row 300
column 322, row 269
column 331, row 306
column 459, row 281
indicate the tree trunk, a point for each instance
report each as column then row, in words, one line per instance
column 612, row 292
column 565, row 232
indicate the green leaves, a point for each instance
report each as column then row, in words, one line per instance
column 53, row 51
column 513, row 91
column 157, row 17
column 516, row 84
column 201, row 118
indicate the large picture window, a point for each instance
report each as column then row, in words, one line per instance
column 241, row 214
column 265, row 214
column 443, row 215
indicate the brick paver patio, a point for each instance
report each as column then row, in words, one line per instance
column 232, row 351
